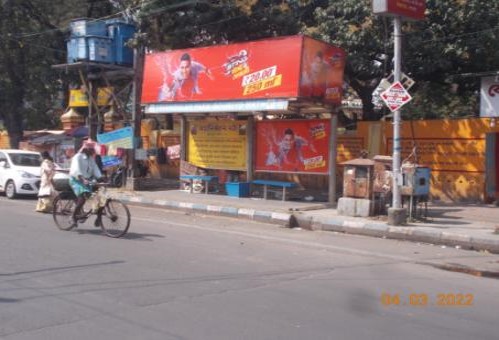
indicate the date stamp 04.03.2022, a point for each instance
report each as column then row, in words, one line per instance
column 422, row 300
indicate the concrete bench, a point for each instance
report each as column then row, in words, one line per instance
column 267, row 183
column 205, row 179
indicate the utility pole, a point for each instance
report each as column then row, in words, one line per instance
column 138, row 66
column 410, row 10
column 397, row 214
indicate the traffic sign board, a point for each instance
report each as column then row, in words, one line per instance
column 396, row 96
column 409, row 9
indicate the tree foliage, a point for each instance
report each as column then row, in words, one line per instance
column 33, row 39
column 457, row 38
column 444, row 53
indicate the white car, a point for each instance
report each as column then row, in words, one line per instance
column 19, row 172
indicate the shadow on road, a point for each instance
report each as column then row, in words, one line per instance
column 127, row 236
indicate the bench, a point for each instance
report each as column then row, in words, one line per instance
column 267, row 183
column 205, row 179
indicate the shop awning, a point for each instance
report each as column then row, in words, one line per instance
column 48, row 139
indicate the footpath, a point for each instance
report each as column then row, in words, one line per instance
column 467, row 226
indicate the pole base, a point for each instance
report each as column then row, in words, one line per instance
column 397, row 216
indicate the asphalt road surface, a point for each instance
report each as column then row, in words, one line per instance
column 181, row 276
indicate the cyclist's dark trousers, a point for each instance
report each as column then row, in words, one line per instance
column 80, row 201
column 98, row 220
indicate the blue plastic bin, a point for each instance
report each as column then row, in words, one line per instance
column 100, row 49
column 84, row 27
column 90, row 48
column 121, row 32
column 77, row 49
column 237, row 189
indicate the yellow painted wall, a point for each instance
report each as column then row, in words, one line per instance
column 453, row 149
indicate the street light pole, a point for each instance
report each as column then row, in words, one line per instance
column 396, row 214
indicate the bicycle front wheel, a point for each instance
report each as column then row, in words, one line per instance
column 63, row 212
column 115, row 218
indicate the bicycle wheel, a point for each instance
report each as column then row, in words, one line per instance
column 63, row 212
column 115, row 219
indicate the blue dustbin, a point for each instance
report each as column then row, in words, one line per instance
column 100, row 49
column 120, row 32
column 237, row 189
column 84, row 27
column 77, row 49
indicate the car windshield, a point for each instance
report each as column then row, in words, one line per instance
column 25, row 159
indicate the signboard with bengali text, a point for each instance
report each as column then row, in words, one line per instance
column 217, row 144
column 396, row 96
column 120, row 138
column 462, row 155
column 411, row 9
column 489, row 97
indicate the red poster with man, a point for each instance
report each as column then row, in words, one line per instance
column 259, row 69
column 292, row 146
column 322, row 71
column 270, row 68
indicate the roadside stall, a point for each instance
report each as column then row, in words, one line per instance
column 259, row 113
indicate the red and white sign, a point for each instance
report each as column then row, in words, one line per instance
column 396, row 96
column 489, row 97
column 412, row 9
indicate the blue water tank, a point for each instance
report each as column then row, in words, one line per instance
column 90, row 48
column 120, row 32
column 84, row 27
column 77, row 49
column 100, row 49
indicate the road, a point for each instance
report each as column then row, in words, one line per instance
column 181, row 276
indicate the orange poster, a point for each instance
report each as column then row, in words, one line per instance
column 292, row 146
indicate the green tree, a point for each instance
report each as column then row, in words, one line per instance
column 456, row 38
column 33, row 39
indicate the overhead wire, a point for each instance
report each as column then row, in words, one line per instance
column 119, row 13
column 193, row 27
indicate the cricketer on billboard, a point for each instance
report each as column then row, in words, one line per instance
column 286, row 67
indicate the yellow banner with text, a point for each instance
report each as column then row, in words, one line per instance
column 217, row 144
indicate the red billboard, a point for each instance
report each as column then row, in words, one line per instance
column 322, row 71
column 269, row 68
column 292, row 146
column 413, row 9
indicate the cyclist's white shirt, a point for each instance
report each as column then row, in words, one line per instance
column 82, row 165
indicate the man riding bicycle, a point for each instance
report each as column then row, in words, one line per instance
column 82, row 170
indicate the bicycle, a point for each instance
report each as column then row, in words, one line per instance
column 113, row 214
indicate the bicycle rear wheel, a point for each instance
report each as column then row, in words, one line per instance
column 115, row 219
column 63, row 212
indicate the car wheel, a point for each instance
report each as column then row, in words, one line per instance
column 10, row 190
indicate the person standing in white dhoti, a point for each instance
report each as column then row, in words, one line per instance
column 45, row 194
